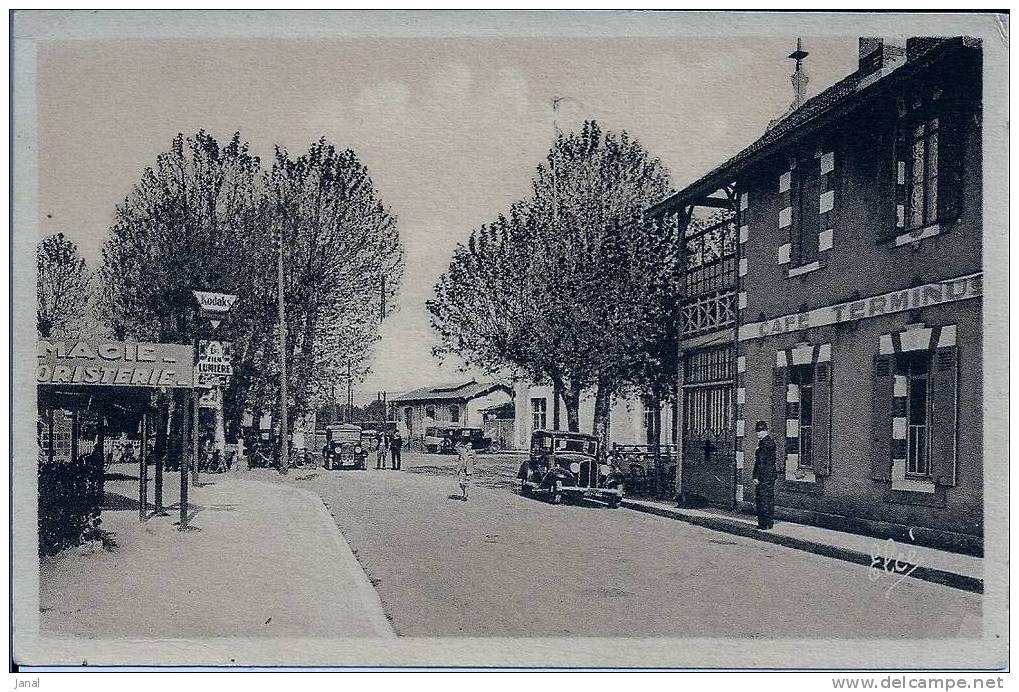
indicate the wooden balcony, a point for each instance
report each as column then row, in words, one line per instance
column 708, row 313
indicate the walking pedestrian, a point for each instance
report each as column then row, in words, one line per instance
column 765, row 473
column 380, row 451
column 465, row 468
column 395, row 445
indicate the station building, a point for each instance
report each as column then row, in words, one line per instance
column 856, row 276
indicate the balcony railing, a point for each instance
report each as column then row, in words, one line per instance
column 708, row 313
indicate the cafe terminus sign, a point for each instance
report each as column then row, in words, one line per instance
column 115, row 364
column 948, row 291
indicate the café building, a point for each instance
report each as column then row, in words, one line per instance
column 858, row 331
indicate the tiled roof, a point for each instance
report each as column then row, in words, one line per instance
column 450, row 392
column 842, row 92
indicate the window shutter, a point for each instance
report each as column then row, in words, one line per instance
column 881, row 419
column 778, row 389
column 822, row 419
column 944, row 426
column 951, row 138
column 892, row 158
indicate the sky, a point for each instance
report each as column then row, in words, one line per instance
column 450, row 130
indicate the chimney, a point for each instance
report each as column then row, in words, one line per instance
column 878, row 57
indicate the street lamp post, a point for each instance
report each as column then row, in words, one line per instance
column 284, row 426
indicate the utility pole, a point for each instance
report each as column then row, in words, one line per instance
column 350, row 394
column 555, row 139
column 284, row 425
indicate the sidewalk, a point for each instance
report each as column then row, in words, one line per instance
column 266, row 561
column 919, row 562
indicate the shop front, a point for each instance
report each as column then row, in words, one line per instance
column 97, row 405
column 876, row 408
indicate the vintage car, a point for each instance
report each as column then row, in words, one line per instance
column 344, row 447
column 644, row 474
column 441, row 439
column 567, row 463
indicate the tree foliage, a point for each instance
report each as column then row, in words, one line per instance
column 62, row 287
column 208, row 217
column 340, row 245
column 572, row 287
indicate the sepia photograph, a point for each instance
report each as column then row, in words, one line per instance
column 509, row 339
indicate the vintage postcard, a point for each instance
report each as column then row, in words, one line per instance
column 514, row 339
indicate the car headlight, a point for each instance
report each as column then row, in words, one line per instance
column 357, row 450
column 575, row 467
column 604, row 469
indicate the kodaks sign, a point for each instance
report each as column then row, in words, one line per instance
column 948, row 291
column 115, row 364
column 215, row 302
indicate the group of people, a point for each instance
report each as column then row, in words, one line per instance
column 388, row 446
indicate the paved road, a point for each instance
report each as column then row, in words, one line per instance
column 505, row 565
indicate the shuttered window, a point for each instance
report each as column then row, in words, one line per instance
column 928, row 165
column 922, row 179
column 915, row 368
column 915, row 417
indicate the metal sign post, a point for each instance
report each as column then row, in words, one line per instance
column 213, row 365
column 143, row 470
column 185, row 433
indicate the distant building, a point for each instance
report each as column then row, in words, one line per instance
column 458, row 403
column 841, row 302
column 629, row 417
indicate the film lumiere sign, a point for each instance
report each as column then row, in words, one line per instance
column 115, row 364
column 949, row 291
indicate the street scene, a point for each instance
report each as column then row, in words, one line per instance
column 499, row 344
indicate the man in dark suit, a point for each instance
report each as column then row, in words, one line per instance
column 765, row 473
column 395, row 445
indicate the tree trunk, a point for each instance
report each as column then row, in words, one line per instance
column 571, row 397
column 602, row 407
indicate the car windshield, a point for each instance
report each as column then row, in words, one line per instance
column 566, row 444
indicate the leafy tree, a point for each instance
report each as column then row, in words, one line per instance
column 555, row 291
column 190, row 223
column 343, row 262
column 62, row 287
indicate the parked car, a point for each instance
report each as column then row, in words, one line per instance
column 569, row 464
column 344, row 447
column 441, row 439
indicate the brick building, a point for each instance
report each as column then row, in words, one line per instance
column 854, row 263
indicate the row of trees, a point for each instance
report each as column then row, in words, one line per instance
column 573, row 286
column 209, row 217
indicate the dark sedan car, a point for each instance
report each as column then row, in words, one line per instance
column 569, row 464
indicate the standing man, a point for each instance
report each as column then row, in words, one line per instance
column 380, row 451
column 395, row 445
column 764, row 476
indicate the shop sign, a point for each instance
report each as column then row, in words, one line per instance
column 948, row 291
column 115, row 364
column 215, row 302
column 214, row 358
column 210, row 399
